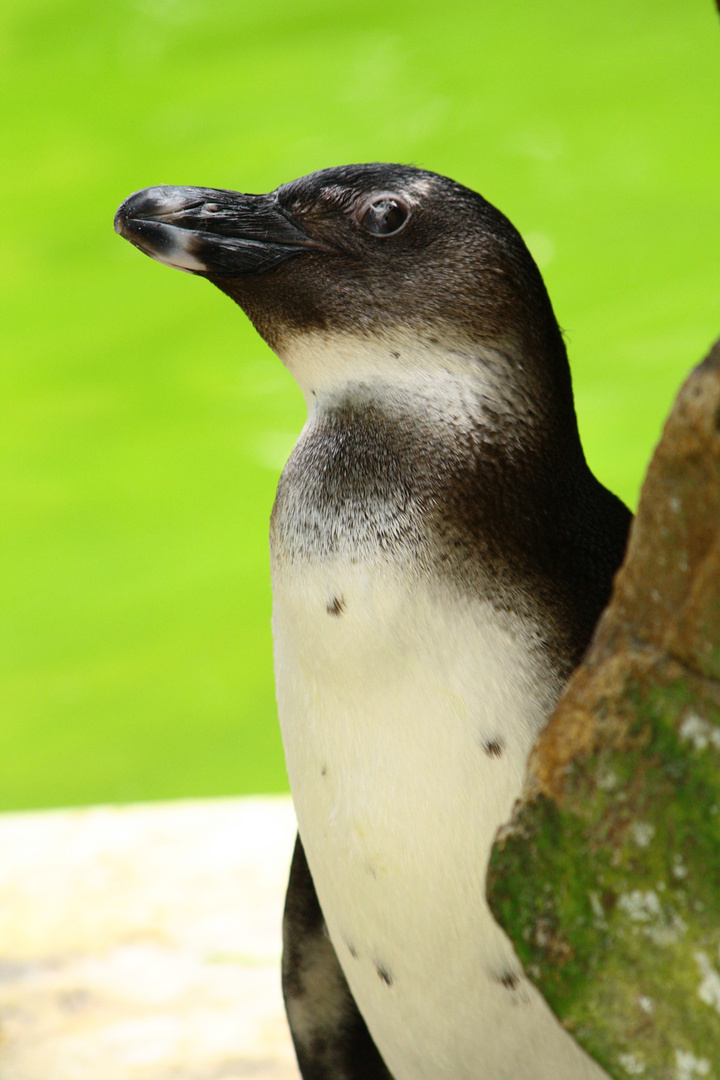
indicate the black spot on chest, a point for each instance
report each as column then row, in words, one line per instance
column 336, row 606
column 509, row 979
column 383, row 974
column 494, row 747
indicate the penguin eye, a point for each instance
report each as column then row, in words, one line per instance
column 383, row 216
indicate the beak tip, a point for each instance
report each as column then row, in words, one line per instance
column 120, row 220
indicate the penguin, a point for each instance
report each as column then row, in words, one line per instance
column 440, row 554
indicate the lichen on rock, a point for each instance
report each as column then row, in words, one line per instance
column 608, row 877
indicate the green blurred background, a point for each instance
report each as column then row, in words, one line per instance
column 145, row 424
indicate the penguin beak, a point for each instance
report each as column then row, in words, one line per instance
column 209, row 231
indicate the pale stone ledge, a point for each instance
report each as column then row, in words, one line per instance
column 143, row 942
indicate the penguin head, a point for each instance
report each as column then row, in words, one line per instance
column 364, row 253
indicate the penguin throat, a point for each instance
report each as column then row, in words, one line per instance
column 449, row 378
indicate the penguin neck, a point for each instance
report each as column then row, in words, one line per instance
column 454, row 388
column 444, row 461
column 323, row 364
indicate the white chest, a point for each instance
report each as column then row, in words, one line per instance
column 407, row 715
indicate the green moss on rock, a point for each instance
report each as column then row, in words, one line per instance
column 613, row 897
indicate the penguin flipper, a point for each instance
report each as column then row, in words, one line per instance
column 331, row 1039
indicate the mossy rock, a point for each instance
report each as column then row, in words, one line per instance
column 608, row 877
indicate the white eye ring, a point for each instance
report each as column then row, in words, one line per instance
column 383, row 214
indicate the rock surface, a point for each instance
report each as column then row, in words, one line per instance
column 143, row 942
column 608, row 878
